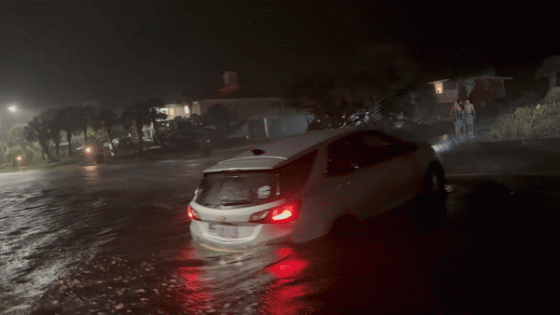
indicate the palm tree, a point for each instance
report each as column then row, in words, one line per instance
column 38, row 129
column 549, row 69
column 49, row 117
column 68, row 120
column 108, row 119
column 154, row 115
column 136, row 115
column 87, row 118
column 143, row 114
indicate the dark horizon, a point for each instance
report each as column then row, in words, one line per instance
column 63, row 54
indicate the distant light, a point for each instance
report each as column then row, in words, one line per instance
column 12, row 109
column 439, row 87
column 19, row 158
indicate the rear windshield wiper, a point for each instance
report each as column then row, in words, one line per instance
column 234, row 202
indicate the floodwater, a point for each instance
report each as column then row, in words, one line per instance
column 115, row 239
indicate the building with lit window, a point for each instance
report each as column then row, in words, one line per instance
column 484, row 92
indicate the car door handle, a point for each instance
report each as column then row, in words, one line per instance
column 345, row 184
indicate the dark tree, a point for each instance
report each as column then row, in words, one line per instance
column 68, row 119
column 365, row 81
column 220, row 116
column 49, row 117
column 108, row 120
column 88, row 117
column 154, row 115
column 549, row 69
column 140, row 115
column 38, row 130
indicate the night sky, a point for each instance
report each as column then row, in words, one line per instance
column 61, row 53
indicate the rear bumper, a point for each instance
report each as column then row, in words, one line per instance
column 268, row 235
column 216, row 247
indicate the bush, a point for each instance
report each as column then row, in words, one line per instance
column 3, row 149
column 547, row 121
column 502, row 130
column 552, row 97
column 523, row 123
column 30, row 154
column 526, row 123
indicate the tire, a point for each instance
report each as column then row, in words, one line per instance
column 345, row 228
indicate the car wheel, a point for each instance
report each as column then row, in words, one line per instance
column 345, row 228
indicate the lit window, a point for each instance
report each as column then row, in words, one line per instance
column 172, row 112
column 187, row 110
column 439, row 87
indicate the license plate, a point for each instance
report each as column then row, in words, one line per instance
column 227, row 231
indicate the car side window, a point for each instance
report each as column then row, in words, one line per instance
column 375, row 148
column 342, row 155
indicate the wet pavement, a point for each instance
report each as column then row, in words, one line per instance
column 114, row 239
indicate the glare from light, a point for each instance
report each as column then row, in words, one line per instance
column 19, row 158
column 284, row 215
column 12, row 109
column 439, row 87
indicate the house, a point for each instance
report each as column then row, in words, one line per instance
column 263, row 98
column 484, row 93
column 175, row 110
column 244, row 107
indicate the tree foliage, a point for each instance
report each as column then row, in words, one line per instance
column 49, row 116
column 142, row 114
column 369, row 79
column 3, row 149
column 553, row 96
column 543, row 121
column 16, row 135
column 220, row 116
column 424, row 104
column 549, row 69
column 68, row 120
column 38, row 130
column 109, row 120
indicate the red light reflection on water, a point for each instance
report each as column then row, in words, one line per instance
column 289, row 267
column 285, row 295
column 193, row 292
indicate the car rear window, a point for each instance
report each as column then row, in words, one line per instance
column 231, row 190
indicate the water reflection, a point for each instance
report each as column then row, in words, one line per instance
column 193, row 294
column 286, row 294
column 91, row 171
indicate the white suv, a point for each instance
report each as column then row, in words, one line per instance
column 303, row 187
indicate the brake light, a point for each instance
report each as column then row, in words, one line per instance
column 193, row 214
column 285, row 213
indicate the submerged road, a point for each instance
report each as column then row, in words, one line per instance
column 114, row 239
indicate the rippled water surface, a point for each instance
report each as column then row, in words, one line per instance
column 115, row 239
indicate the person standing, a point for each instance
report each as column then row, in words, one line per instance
column 457, row 115
column 470, row 115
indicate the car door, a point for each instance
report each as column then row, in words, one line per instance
column 343, row 188
column 331, row 193
column 386, row 174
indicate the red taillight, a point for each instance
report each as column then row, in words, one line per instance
column 285, row 213
column 193, row 214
